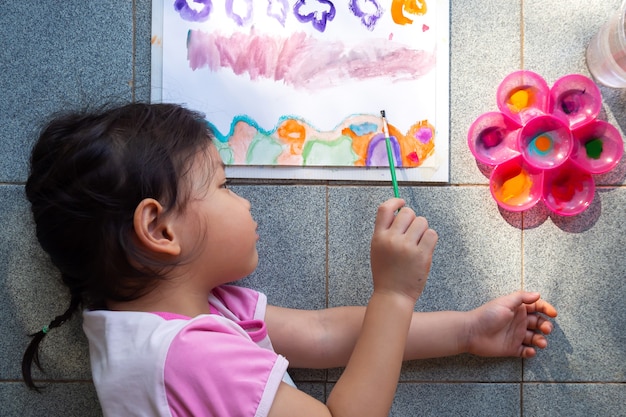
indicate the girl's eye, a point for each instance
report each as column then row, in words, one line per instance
column 225, row 184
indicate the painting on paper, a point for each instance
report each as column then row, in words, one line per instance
column 295, row 88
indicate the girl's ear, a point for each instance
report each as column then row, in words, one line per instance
column 154, row 230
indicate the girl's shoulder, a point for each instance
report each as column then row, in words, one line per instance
column 238, row 303
column 184, row 359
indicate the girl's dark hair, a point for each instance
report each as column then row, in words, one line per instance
column 88, row 173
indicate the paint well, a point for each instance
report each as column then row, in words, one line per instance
column 491, row 137
column 516, row 189
column 594, row 148
column 519, row 100
column 542, row 144
column 572, row 101
column 565, row 187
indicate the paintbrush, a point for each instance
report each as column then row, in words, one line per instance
column 392, row 164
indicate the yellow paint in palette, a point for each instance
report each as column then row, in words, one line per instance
column 515, row 190
column 520, row 99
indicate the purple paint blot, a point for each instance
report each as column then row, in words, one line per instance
column 424, row 135
column 377, row 152
column 572, row 101
column 278, row 10
column 191, row 14
column 318, row 18
column 368, row 19
column 240, row 20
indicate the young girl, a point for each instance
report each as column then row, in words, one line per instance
column 132, row 206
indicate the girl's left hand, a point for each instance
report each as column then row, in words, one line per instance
column 512, row 325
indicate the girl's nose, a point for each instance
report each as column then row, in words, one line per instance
column 245, row 202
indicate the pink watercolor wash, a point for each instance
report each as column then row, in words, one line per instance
column 302, row 61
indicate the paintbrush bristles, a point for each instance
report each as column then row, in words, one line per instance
column 385, row 126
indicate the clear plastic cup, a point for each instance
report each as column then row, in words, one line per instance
column 576, row 99
column 568, row 190
column 515, row 185
column 598, row 147
column 523, row 95
column 492, row 138
column 606, row 53
column 545, row 142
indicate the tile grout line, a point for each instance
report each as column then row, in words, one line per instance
column 133, row 70
column 327, row 272
column 327, row 248
column 521, row 34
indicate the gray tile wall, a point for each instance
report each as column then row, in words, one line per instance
column 314, row 237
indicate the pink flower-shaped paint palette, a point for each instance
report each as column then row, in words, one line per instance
column 544, row 144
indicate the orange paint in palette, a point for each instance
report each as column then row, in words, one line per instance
column 516, row 189
column 520, row 99
column 543, row 143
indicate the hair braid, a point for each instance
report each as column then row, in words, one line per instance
column 31, row 355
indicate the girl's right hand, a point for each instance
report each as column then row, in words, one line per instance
column 401, row 250
column 401, row 253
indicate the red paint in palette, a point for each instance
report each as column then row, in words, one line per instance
column 491, row 137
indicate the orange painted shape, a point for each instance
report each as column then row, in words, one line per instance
column 414, row 151
column 293, row 133
column 415, row 7
column 291, row 130
column 360, row 144
column 399, row 7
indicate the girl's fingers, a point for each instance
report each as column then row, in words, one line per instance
column 527, row 352
column 544, row 325
column 403, row 220
column 543, row 307
column 537, row 322
column 386, row 213
column 546, row 308
column 535, row 339
column 415, row 228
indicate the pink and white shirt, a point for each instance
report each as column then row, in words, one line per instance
column 162, row 364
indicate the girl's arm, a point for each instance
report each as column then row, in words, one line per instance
column 513, row 325
column 325, row 338
column 401, row 254
column 507, row 326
